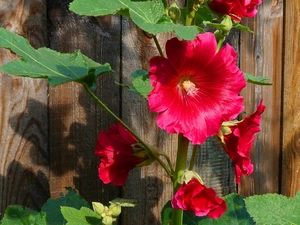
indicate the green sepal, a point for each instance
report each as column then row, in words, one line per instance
column 257, row 80
column 242, row 27
column 124, row 202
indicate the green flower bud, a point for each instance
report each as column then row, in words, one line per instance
column 115, row 209
column 227, row 22
column 107, row 220
column 174, row 12
column 98, row 207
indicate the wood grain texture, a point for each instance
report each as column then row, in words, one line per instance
column 261, row 55
column 75, row 120
column 290, row 182
column 149, row 185
column 24, row 158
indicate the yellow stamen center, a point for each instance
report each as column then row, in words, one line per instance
column 189, row 87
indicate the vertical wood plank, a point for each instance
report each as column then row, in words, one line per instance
column 24, row 158
column 291, row 101
column 149, row 185
column 75, row 120
column 261, row 55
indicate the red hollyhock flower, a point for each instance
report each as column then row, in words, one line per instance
column 236, row 9
column 240, row 141
column 195, row 88
column 197, row 198
column 117, row 157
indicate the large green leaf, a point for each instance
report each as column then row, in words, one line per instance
column 150, row 16
column 236, row 213
column 52, row 206
column 274, row 209
column 98, row 7
column 83, row 216
column 19, row 215
column 58, row 68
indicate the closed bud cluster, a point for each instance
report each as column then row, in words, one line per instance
column 108, row 214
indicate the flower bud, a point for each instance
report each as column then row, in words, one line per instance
column 174, row 12
column 115, row 209
column 227, row 22
column 107, row 220
column 98, row 207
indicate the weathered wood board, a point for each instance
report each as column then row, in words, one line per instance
column 24, row 155
column 261, row 55
column 290, row 174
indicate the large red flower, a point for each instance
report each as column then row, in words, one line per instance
column 236, row 9
column 239, row 142
column 116, row 154
column 200, row 200
column 195, row 88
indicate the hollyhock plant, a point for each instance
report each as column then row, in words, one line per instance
column 202, row 201
column 236, row 9
column 195, row 91
column 115, row 149
column 195, row 87
column 239, row 142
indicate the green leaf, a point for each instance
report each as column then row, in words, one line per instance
column 98, row 7
column 58, row 68
column 166, row 214
column 257, row 80
column 236, row 213
column 141, row 83
column 83, row 216
column 52, row 206
column 150, row 16
column 19, row 215
column 242, row 27
column 124, row 202
column 274, row 209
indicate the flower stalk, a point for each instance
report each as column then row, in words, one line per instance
column 146, row 147
column 158, row 46
column 181, row 160
column 192, row 7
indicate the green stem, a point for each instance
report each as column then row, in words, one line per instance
column 193, row 157
column 147, row 148
column 158, row 46
column 191, row 13
column 181, row 160
column 220, row 42
column 165, row 4
column 168, row 161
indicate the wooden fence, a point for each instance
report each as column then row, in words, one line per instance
column 48, row 134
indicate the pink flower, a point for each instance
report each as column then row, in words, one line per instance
column 197, row 198
column 240, row 141
column 236, row 9
column 195, row 88
column 117, row 157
